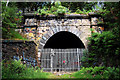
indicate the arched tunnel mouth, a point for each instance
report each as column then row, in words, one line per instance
column 64, row 40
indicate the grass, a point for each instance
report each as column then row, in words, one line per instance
column 82, row 75
column 65, row 76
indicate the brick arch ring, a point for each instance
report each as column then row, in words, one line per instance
column 55, row 29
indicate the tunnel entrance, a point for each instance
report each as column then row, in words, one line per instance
column 62, row 52
column 64, row 40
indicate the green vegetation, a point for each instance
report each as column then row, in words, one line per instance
column 14, row 35
column 65, row 76
column 16, row 70
column 56, row 9
column 78, row 11
column 10, row 19
column 97, row 73
column 104, row 48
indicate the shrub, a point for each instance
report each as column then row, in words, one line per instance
column 42, row 12
column 98, row 73
column 84, row 59
column 112, row 72
column 78, row 11
column 56, row 9
column 16, row 70
column 103, row 49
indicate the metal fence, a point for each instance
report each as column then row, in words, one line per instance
column 61, row 59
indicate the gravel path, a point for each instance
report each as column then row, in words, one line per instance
column 61, row 75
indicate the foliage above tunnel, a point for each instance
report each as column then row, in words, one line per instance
column 56, row 8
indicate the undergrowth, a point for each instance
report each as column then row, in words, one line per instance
column 16, row 70
column 97, row 73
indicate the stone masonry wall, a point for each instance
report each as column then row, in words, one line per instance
column 12, row 48
column 75, row 26
column 47, row 26
column 81, row 28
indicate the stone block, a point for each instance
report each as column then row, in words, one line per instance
column 94, row 21
column 57, row 30
column 50, row 32
column 54, row 30
column 61, row 28
column 44, row 38
column 76, row 31
column 65, row 28
column 42, row 44
column 47, row 36
column 42, row 41
column 85, row 22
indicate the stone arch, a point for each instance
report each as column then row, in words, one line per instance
column 56, row 29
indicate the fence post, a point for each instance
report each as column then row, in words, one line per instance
column 78, row 60
column 51, row 55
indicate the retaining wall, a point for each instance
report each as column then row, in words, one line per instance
column 12, row 48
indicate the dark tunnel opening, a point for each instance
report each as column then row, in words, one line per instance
column 64, row 40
